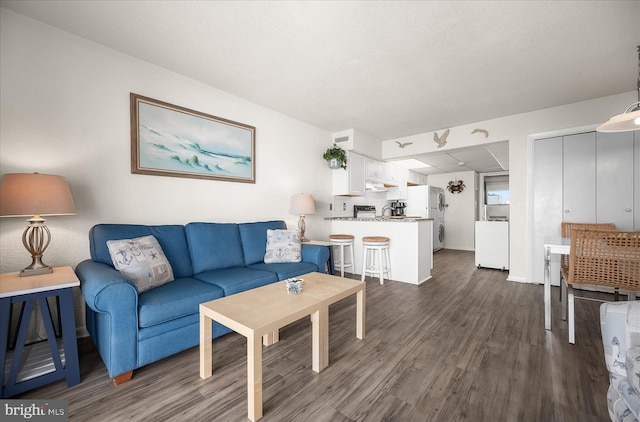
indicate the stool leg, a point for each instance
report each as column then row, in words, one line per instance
column 351, row 261
column 381, row 266
column 342, row 260
column 386, row 252
column 364, row 263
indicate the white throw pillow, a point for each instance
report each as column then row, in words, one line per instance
column 142, row 261
column 283, row 246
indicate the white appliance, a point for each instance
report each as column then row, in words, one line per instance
column 492, row 244
column 428, row 202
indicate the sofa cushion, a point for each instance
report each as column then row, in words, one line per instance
column 633, row 367
column 214, row 246
column 254, row 239
column 238, row 279
column 283, row 246
column 286, row 270
column 142, row 261
column 174, row 300
column 171, row 238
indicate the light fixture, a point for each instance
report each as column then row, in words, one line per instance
column 34, row 195
column 302, row 204
column 630, row 119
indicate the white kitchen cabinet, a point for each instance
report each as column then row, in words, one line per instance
column 400, row 190
column 416, row 178
column 350, row 182
column 375, row 170
column 492, row 244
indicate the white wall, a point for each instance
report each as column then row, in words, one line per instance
column 519, row 130
column 64, row 109
column 459, row 215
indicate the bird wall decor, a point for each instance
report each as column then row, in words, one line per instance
column 486, row 132
column 402, row 145
column 442, row 139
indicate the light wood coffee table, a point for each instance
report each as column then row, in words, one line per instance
column 260, row 313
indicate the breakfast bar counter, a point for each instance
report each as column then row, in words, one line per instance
column 411, row 243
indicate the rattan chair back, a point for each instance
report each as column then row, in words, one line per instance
column 567, row 227
column 607, row 258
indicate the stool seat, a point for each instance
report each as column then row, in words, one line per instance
column 341, row 237
column 372, row 265
column 375, row 239
column 343, row 241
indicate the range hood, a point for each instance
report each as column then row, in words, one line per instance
column 375, row 187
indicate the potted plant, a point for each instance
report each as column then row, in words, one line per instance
column 336, row 157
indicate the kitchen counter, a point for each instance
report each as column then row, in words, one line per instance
column 383, row 219
column 410, row 248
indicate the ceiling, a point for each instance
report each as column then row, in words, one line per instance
column 485, row 158
column 387, row 68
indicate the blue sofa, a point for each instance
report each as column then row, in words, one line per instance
column 209, row 261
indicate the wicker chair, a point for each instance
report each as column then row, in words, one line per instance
column 602, row 259
column 566, row 228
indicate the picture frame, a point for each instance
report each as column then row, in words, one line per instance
column 169, row 140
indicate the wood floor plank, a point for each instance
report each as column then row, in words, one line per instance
column 466, row 345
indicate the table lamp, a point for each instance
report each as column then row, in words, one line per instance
column 301, row 204
column 34, row 195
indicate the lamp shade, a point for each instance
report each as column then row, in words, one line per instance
column 624, row 122
column 302, row 203
column 30, row 194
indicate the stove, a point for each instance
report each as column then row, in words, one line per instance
column 364, row 211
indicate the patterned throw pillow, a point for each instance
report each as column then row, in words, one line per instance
column 142, row 261
column 283, row 246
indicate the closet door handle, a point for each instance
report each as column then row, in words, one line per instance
column 628, row 209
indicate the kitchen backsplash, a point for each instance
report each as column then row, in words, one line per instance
column 343, row 205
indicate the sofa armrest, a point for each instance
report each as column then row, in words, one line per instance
column 315, row 254
column 104, row 288
column 114, row 299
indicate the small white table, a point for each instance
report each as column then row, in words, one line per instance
column 261, row 311
column 552, row 245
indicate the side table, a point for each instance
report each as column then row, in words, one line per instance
column 34, row 365
column 328, row 244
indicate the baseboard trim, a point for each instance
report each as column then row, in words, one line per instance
column 517, row 279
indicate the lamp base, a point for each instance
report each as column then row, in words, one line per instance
column 35, row 239
column 28, row 272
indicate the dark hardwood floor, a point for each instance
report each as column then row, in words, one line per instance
column 465, row 346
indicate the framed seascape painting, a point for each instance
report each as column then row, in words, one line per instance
column 168, row 140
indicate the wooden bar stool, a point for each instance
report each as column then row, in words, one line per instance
column 342, row 241
column 379, row 266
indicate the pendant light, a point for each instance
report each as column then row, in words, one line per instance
column 630, row 119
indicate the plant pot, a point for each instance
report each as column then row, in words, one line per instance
column 334, row 163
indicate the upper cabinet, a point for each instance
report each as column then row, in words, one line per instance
column 376, row 171
column 350, row 182
column 401, row 177
column 416, row 178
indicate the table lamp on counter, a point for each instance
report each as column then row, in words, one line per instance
column 35, row 195
column 302, row 204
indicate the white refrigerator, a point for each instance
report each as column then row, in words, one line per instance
column 428, row 202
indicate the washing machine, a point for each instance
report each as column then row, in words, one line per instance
column 438, row 234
